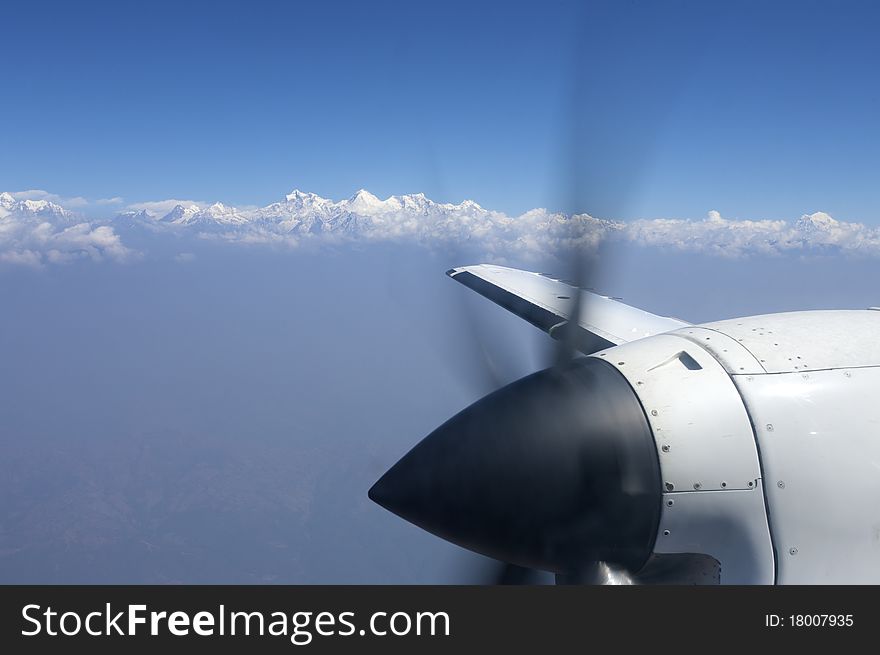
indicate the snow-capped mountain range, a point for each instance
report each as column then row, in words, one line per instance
column 37, row 231
column 414, row 216
column 9, row 205
column 309, row 213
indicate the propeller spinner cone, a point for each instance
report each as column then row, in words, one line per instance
column 552, row 472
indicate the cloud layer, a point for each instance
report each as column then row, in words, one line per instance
column 38, row 232
column 39, row 228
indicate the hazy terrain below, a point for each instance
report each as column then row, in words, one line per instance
column 220, row 419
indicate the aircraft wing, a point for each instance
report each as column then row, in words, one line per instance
column 545, row 302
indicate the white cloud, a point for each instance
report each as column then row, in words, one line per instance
column 738, row 238
column 21, row 258
column 97, row 243
column 116, row 200
column 35, row 194
column 32, row 241
column 73, row 202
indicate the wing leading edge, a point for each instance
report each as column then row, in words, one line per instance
column 545, row 302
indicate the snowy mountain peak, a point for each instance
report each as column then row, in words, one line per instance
column 411, row 202
column 135, row 215
column 818, row 221
column 363, row 194
column 300, row 201
column 32, row 208
column 363, row 199
column 217, row 214
column 219, row 210
column 303, row 196
column 221, row 213
column 181, row 215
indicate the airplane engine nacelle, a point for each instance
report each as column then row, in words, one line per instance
column 768, row 436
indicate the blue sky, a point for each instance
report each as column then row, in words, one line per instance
column 754, row 110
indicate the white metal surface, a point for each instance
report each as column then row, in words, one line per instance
column 808, row 341
column 731, row 526
column 819, row 437
column 713, row 502
column 703, row 434
column 731, row 354
column 606, row 317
